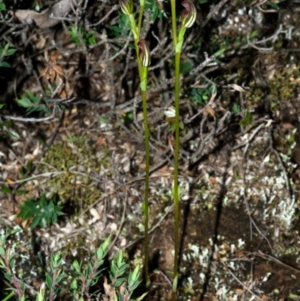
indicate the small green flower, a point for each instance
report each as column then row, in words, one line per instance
column 189, row 14
column 144, row 53
column 127, row 6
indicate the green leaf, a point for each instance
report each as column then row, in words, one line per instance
column 4, row 64
column 14, row 134
column 49, row 281
column 236, row 108
column 76, row 266
column 12, row 263
column 12, row 293
column 274, row 5
column 24, row 102
column 247, row 120
column 133, row 276
column 21, row 191
column 40, row 296
column 5, row 189
column 89, row 270
column 29, row 166
column 36, row 220
column 27, row 209
column 219, row 52
column 119, row 298
column 92, row 40
column 10, row 51
column 60, row 277
column 122, row 269
column 2, row 6
column 185, row 67
column 119, row 281
column 143, row 85
column 174, row 286
column 141, row 297
column 135, row 285
column 179, row 46
column 253, row 34
column 74, row 285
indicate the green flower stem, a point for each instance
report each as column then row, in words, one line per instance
column 179, row 44
column 176, row 195
column 138, row 58
column 142, row 6
column 147, row 174
column 8, row 296
column 174, row 28
column 133, row 27
column 143, row 59
column 143, row 72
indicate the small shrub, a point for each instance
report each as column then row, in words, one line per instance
column 120, row 287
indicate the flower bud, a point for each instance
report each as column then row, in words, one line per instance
column 127, row 6
column 144, row 53
column 189, row 14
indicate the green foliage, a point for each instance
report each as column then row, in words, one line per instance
column 202, row 96
column 236, row 108
column 122, row 28
column 81, row 36
column 2, row 6
column 156, row 11
column 80, row 283
column 32, row 103
column 118, row 268
column 274, row 4
column 42, row 212
column 6, row 129
column 247, row 120
column 127, row 118
column 5, row 51
column 7, row 190
column 117, row 272
column 185, row 67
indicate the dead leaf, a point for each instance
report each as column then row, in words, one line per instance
column 237, row 88
column 269, row 122
column 109, row 291
column 239, row 291
column 209, row 111
column 102, row 141
column 48, row 17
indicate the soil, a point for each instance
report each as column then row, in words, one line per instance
column 239, row 164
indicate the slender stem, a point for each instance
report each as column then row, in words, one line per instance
column 174, row 27
column 140, row 19
column 176, row 173
column 146, row 195
column 176, row 154
column 143, row 73
column 8, row 296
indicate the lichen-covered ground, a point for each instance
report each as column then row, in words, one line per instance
column 240, row 147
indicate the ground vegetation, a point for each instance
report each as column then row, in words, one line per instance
column 72, row 150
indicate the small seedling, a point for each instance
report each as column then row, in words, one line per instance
column 6, row 50
column 42, row 212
